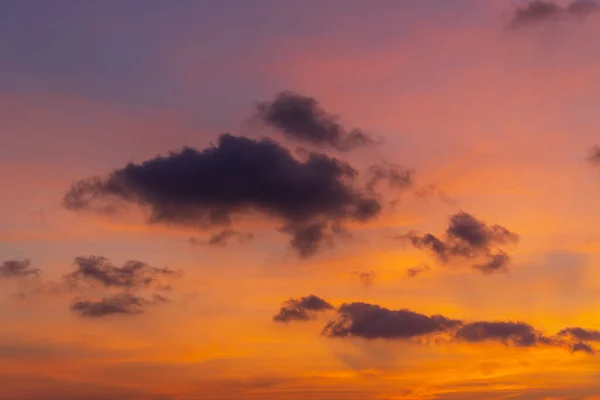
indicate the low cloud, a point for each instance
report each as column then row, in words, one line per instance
column 539, row 11
column 413, row 272
column 123, row 303
column 301, row 309
column 302, row 119
column 468, row 238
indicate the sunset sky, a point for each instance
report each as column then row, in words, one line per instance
column 316, row 199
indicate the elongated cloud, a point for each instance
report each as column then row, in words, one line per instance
column 207, row 188
column 133, row 274
column 468, row 238
column 373, row 322
column 17, row 269
column 540, row 11
column 124, row 304
column 224, row 238
column 302, row 118
column 370, row 321
column 301, row 309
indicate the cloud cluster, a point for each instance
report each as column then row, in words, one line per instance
column 468, row 238
column 371, row 322
column 302, row 119
column 301, row 309
column 17, row 269
column 540, row 11
column 208, row 188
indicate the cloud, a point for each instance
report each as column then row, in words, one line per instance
column 594, row 156
column 223, row 238
column 302, row 118
column 496, row 262
column 540, row 11
column 516, row 333
column 301, row 309
column 207, row 188
column 370, row 321
column 468, row 238
column 366, row 278
column 397, row 177
column 583, row 348
column 581, row 334
column 132, row 275
column 123, row 303
column 17, row 269
column 413, row 272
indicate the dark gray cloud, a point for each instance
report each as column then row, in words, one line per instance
column 132, row 275
column 301, row 309
column 224, row 238
column 207, row 188
column 510, row 333
column 540, row 11
column 369, row 321
column 468, row 238
column 302, row 118
column 581, row 334
column 17, row 269
column 123, row 303
column 397, row 177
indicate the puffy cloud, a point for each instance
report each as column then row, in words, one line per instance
column 302, row 118
column 581, row 334
column 301, row 309
column 468, row 238
column 203, row 189
column 515, row 333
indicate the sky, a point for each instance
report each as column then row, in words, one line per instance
column 341, row 199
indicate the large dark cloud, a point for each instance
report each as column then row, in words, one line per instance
column 468, row 238
column 539, row 11
column 370, row 321
column 132, row 275
column 123, row 303
column 303, row 119
column 208, row 188
column 301, row 309
column 17, row 269
column 223, row 238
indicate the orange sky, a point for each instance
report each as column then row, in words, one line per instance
column 492, row 103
